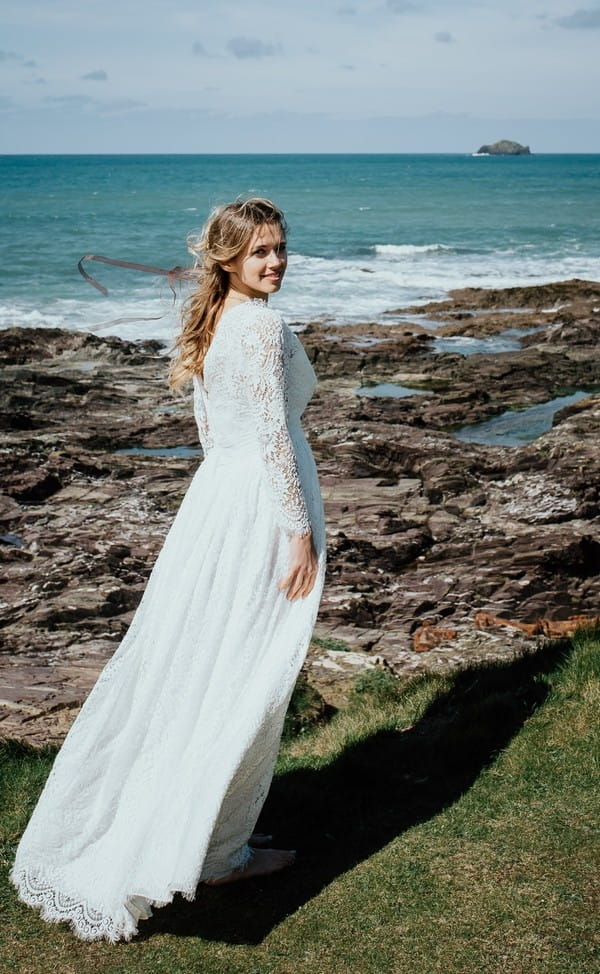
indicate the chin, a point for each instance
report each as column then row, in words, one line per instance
column 272, row 285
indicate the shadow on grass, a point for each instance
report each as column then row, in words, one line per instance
column 342, row 814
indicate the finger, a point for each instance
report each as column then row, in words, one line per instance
column 289, row 584
column 287, row 581
column 293, row 592
column 296, row 587
column 306, row 585
column 300, row 582
column 310, row 584
column 307, row 588
column 301, row 585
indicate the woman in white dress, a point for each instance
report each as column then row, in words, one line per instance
column 161, row 778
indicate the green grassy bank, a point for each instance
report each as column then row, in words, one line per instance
column 449, row 826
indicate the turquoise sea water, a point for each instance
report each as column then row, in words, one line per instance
column 368, row 233
column 516, row 427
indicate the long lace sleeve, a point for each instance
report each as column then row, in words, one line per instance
column 201, row 417
column 263, row 345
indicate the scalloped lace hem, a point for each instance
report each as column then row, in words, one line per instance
column 86, row 922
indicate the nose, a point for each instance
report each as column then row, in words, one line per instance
column 276, row 259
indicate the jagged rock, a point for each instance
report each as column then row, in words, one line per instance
column 424, row 531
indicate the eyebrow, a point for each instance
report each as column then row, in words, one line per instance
column 266, row 243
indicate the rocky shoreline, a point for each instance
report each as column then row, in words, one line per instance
column 434, row 543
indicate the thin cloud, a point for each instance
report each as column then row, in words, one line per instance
column 114, row 107
column 581, row 20
column 400, row 6
column 443, row 37
column 119, row 105
column 251, row 47
column 69, row 100
column 95, row 76
column 19, row 58
column 199, row 49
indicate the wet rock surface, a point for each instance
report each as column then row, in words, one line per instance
column 431, row 540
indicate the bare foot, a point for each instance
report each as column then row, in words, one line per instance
column 262, row 862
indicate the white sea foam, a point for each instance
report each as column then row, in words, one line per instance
column 401, row 251
column 340, row 289
column 362, row 289
column 120, row 316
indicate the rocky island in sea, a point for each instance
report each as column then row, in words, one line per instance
column 504, row 148
column 442, row 550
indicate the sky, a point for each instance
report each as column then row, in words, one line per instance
column 304, row 76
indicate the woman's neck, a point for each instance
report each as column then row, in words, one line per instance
column 234, row 297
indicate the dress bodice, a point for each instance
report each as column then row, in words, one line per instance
column 256, row 384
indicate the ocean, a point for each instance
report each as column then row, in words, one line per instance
column 369, row 233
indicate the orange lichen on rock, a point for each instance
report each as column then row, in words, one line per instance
column 541, row 627
column 428, row 636
column 485, row 620
column 566, row 627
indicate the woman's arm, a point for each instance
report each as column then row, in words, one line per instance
column 265, row 366
column 264, row 354
column 201, row 416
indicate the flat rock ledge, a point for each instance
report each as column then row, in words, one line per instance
column 441, row 552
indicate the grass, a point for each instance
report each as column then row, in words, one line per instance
column 306, row 711
column 444, row 826
column 327, row 642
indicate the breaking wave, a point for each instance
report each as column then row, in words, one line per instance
column 401, row 251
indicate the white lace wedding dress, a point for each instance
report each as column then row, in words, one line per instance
column 162, row 776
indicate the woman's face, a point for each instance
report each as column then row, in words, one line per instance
column 258, row 271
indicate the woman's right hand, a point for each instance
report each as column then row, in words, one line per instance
column 303, row 568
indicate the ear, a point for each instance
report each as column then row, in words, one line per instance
column 226, row 267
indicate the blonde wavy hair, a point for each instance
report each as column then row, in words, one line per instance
column 224, row 236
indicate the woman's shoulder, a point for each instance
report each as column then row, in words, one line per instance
column 259, row 324
column 251, row 321
column 255, row 310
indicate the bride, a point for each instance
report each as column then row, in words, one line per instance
column 161, row 778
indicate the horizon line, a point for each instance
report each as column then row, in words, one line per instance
column 555, row 152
